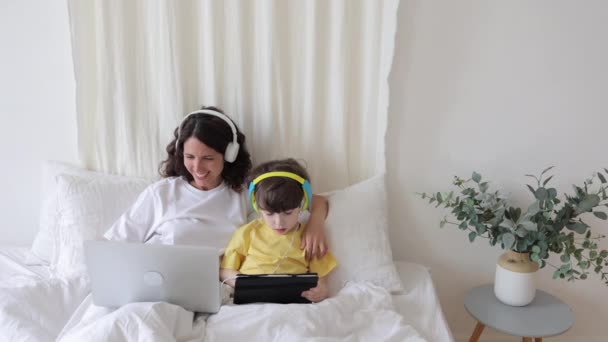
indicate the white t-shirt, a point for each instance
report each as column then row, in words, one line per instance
column 172, row 211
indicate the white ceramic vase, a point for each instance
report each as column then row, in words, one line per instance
column 515, row 279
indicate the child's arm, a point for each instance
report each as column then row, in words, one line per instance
column 228, row 274
column 318, row 293
column 235, row 253
column 313, row 237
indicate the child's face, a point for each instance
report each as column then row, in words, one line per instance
column 282, row 222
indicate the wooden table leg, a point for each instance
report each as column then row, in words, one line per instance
column 526, row 339
column 477, row 332
column 538, row 339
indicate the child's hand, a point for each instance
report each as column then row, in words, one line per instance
column 318, row 293
column 228, row 276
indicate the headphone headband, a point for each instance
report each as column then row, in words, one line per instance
column 232, row 149
column 304, row 182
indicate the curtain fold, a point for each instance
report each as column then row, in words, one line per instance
column 302, row 79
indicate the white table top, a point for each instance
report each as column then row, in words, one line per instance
column 545, row 316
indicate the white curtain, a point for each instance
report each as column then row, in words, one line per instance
column 302, row 79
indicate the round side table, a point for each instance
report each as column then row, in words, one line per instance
column 545, row 316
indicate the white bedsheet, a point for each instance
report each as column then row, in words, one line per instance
column 419, row 304
column 13, row 268
column 35, row 307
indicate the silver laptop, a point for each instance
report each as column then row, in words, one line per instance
column 123, row 273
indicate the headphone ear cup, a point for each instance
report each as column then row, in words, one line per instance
column 232, row 151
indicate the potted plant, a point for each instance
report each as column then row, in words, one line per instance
column 549, row 225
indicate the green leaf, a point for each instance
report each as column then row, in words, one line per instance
column 588, row 203
column 541, row 194
column 600, row 214
column 472, row 236
column 535, row 249
column 552, row 193
column 547, row 169
column 521, row 232
column 593, row 254
column 604, row 253
column 547, row 180
column 516, row 214
column 439, row 197
column 529, row 225
column 508, row 224
column 520, row 245
column 565, row 258
column 578, row 227
column 531, row 189
column 534, row 208
column 508, row 240
column 601, row 177
column 476, row 177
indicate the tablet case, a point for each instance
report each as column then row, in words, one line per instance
column 273, row 288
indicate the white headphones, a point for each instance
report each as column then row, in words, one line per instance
column 232, row 150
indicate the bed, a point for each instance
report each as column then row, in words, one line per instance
column 44, row 291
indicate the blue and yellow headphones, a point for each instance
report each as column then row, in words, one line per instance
column 304, row 182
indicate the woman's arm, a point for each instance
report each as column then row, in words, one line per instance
column 313, row 237
column 228, row 274
column 318, row 293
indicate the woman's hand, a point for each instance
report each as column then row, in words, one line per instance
column 313, row 237
column 318, row 293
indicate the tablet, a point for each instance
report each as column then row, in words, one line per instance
column 273, row 288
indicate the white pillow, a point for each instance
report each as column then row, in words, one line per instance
column 43, row 247
column 88, row 206
column 357, row 228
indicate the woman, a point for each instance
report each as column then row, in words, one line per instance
column 201, row 199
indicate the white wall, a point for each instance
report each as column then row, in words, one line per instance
column 504, row 88
column 37, row 108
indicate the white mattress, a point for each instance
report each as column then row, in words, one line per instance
column 418, row 304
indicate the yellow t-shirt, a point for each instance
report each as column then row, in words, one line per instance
column 256, row 248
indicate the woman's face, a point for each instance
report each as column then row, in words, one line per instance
column 204, row 164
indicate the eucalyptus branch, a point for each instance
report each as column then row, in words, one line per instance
column 547, row 226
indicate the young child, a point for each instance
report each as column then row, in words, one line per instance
column 278, row 190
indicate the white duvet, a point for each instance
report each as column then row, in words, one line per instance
column 35, row 310
column 42, row 311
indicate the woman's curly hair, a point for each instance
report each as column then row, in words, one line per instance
column 215, row 133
